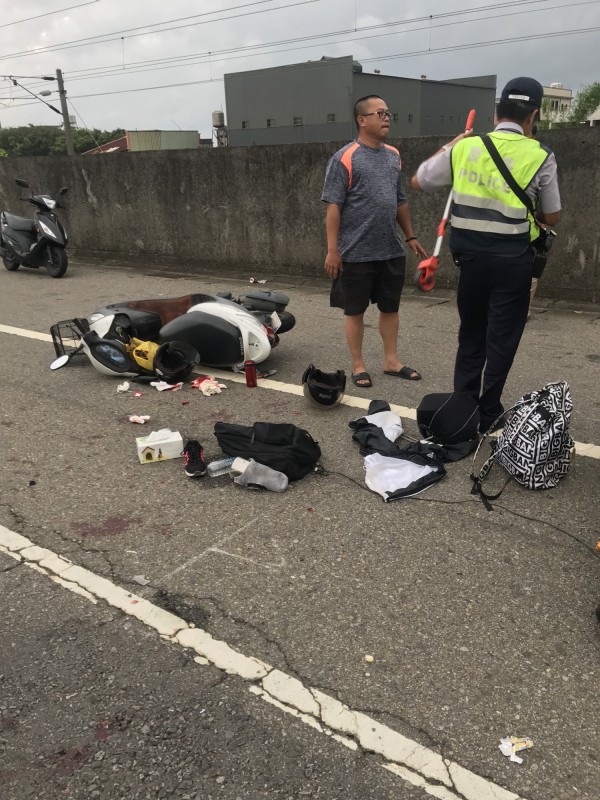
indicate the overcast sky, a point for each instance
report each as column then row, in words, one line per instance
column 126, row 59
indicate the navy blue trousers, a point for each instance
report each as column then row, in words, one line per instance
column 493, row 300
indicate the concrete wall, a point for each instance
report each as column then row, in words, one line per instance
column 257, row 209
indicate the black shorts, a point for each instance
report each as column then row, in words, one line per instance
column 364, row 282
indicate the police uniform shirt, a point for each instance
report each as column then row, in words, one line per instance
column 436, row 172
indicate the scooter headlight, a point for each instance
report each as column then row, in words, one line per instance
column 46, row 229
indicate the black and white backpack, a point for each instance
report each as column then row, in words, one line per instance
column 535, row 445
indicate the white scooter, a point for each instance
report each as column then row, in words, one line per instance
column 223, row 331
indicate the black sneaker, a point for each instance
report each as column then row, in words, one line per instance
column 193, row 459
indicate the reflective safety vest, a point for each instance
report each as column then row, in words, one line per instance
column 487, row 216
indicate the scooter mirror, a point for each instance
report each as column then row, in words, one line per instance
column 22, row 183
column 62, row 190
column 59, row 362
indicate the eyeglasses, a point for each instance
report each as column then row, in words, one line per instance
column 380, row 114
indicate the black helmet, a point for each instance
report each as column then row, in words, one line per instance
column 175, row 360
column 324, row 389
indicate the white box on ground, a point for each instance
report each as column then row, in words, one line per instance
column 159, row 446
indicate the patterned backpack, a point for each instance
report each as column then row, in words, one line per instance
column 534, row 446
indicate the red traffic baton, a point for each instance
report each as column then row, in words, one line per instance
column 425, row 276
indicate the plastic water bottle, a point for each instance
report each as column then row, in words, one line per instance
column 220, row 467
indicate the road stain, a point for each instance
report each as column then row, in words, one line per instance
column 112, row 526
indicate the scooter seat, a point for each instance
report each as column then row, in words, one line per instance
column 19, row 223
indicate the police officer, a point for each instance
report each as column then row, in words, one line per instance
column 490, row 238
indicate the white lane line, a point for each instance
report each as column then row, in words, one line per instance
column 292, row 388
column 43, row 337
column 412, row 762
column 587, row 449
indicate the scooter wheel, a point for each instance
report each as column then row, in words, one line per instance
column 59, row 262
column 287, row 321
column 11, row 263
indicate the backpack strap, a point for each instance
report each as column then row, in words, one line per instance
column 485, row 498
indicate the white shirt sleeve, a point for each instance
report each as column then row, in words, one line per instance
column 436, row 172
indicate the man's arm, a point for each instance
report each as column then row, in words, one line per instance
column 436, row 171
column 333, row 261
column 548, row 210
column 548, row 219
column 403, row 217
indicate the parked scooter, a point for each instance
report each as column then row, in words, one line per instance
column 225, row 332
column 37, row 242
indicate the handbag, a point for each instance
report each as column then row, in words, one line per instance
column 541, row 246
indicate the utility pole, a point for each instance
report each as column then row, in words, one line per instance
column 65, row 113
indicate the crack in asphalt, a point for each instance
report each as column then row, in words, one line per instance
column 252, row 626
column 355, row 736
column 12, row 566
column 430, row 740
column 447, row 763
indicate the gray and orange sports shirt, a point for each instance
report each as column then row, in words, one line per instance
column 365, row 183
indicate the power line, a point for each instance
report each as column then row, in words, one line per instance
column 196, row 58
column 96, row 142
column 138, row 89
column 489, row 43
column 25, row 89
column 100, row 39
column 48, row 13
column 492, row 42
column 429, row 51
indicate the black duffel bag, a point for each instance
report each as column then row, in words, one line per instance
column 450, row 419
column 281, row 446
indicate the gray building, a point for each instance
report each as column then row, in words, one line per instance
column 313, row 102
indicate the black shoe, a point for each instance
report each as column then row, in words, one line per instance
column 491, row 427
column 193, row 459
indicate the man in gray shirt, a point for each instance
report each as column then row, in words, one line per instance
column 365, row 255
column 491, row 238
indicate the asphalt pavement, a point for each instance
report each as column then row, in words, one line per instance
column 480, row 624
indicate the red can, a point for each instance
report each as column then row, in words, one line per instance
column 250, row 370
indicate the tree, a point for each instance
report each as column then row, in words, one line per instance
column 46, row 140
column 586, row 102
column 552, row 117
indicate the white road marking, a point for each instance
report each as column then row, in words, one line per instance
column 412, row 762
column 587, row 449
column 43, row 337
column 212, row 548
column 265, row 564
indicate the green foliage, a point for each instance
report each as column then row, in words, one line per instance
column 47, row 140
column 586, row 102
column 552, row 118
column 3, row 153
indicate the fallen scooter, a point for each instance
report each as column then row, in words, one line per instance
column 37, row 242
column 224, row 332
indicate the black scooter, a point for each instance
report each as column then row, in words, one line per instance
column 37, row 242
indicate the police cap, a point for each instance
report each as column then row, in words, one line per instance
column 527, row 90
